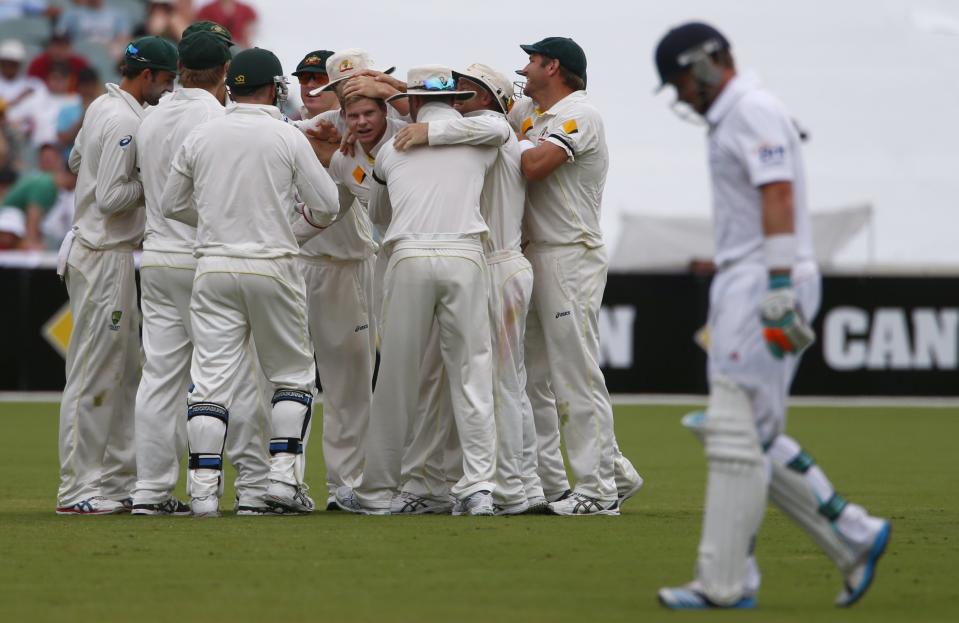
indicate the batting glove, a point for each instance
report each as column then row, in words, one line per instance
column 784, row 328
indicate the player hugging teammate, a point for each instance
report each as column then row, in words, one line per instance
column 456, row 230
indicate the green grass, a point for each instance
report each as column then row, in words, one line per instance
column 899, row 462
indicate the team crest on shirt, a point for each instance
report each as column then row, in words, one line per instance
column 359, row 175
column 570, row 127
column 126, row 140
column 115, row 320
column 771, row 154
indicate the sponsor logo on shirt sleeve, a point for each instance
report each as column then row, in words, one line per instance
column 126, row 140
column 771, row 155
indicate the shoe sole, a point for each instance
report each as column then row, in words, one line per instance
column 746, row 603
column 66, row 513
column 875, row 553
column 274, row 502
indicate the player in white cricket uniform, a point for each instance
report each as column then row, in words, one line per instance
column 511, row 283
column 241, row 171
column 428, row 200
column 565, row 160
column 765, row 292
column 166, row 281
column 97, row 460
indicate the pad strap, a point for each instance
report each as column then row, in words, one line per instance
column 208, row 409
column 294, row 395
column 205, row 461
column 289, row 445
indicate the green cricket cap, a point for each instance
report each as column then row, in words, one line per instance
column 151, row 53
column 203, row 50
column 313, row 63
column 253, row 68
column 563, row 49
column 208, row 26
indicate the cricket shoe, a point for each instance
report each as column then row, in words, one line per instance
column 406, row 503
column 127, row 504
column 578, row 504
column 689, row 597
column 206, row 506
column 558, row 497
column 501, row 510
column 289, row 498
column 346, row 499
column 331, row 502
column 96, row 505
column 479, row 504
column 861, row 577
column 170, row 506
column 634, row 482
column 256, row 508
column 537, row 505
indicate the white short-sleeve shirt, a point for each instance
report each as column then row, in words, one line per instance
column 752, row 142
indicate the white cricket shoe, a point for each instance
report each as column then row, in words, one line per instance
column 511, row 509
column 289, row 498
column 479, row 504
column 406, row 503
column 206, row 506
column 557, row 497
column 636, row 483
column 689, row 597
column 346, row 499
column 578, row 504
column 857, row 581
column 170, row 506
column 96, row 505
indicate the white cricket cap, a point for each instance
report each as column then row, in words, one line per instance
column 344, row 64
column 498, row 84
column 432, row 80
column 13, row 50
column 13, row 222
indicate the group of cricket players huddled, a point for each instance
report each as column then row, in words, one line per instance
column 453, row 227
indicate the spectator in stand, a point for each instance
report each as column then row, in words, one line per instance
column 59, row 219
column 164, row 18
column 70, row 118
column 11, row 229
column 62, row 88
column 235, row 16
column 9, row 143
column 8, row 178
column 28, row 102
column 90, row 20
column 35, row 195
column 59, row 50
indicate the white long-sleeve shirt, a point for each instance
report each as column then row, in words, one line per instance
column 504, row 192
column 565, row 207
column 109, row 197
column 242, row 171
column 430, row 194
column 162, row 132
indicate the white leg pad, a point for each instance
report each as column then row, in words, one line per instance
column 206, row 430
column 735, row 493
column 290, row 423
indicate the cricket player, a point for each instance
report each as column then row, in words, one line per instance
column 311, row 74
column 511, row 282
column 97, row 459
column 240, row 172
column 765, row 293
column 166, row 281
column 564, row 158
column 428, row 201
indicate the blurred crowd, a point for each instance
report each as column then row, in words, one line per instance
column 55, row 56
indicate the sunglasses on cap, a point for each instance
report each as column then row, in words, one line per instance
column 133, row 53
column 439, row 84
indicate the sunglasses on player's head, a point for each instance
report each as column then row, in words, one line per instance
column 133, row 53
column 439, row 84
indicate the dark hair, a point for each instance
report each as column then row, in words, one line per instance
column 248, row 91
column 88, row 75
column 131, row 71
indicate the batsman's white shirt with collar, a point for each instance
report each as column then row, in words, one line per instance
column 511, row 282
column 96, row 260
column 569, row 276
column 240, row 172
column 429, row 203
column 167, row 270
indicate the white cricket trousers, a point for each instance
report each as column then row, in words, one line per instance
column 103, row 368
column 235, row 299
column 342, row 326
column 568, row 285
column 737, row 349
column 446, row 281
column 429, row 453
column 166, row 284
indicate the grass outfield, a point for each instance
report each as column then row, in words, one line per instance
column 899, row 462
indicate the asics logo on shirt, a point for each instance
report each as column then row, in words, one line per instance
column 561, row 314
column 126, row 140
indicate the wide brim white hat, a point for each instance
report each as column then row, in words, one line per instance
column 432, row 81
column 344, row 65
column 498, row 84
column 12, row 221
column 13, row 50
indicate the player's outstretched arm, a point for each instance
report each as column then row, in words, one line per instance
column 481, row 130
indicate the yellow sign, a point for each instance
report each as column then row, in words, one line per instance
column 57, row 330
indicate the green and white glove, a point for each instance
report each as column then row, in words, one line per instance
column 784, row 328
